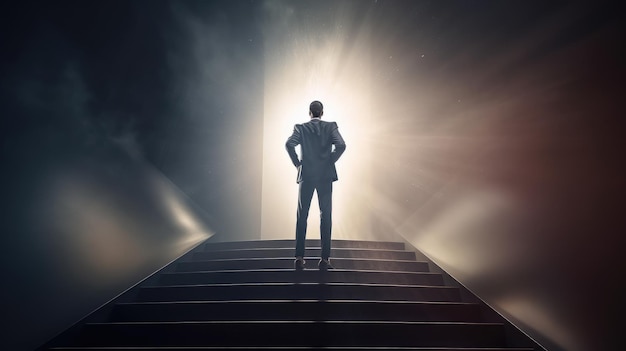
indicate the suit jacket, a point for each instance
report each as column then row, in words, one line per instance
column 316, row 138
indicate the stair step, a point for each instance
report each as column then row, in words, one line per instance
column 296, row 310
column 310, row 243
column 287, row 263
column 290, row 333
column 310, row 253
column 307, row 276
column 299, row 291
column 246, row 296
column 279, row 348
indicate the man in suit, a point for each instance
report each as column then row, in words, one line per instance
column 316, row 172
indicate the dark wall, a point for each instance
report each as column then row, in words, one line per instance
column 503, row 128
column 104, row 107
column 183, row 81
column 82, row 226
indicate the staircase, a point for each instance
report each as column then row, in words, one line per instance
column 246, row 296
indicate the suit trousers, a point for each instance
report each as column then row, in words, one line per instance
column 325, row 199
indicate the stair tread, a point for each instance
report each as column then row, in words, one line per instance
column 226, row 321
column 294, row 333
column 289, row 252
column 238, row 263
column 291, row 258
column 306, row 271
column 309, row 248
column 397, row 302
column 208, row 348
column 309, row 242
column 300, row 284
column 292, row 310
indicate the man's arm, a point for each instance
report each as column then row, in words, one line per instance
column 291, row 144
column 337, row 140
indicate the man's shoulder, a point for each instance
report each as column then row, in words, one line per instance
column 329, row 124
column 322, row 123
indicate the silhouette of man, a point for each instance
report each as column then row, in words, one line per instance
column 316, row 172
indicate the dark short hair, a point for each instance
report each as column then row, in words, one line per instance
column 316, row 108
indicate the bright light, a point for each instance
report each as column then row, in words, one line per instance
column 336, row 72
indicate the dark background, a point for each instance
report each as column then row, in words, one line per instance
column 103, row 103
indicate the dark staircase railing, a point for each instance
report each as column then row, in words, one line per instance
column 246, row 295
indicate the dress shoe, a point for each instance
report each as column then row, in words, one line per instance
column 298, row 264
column 324, row 265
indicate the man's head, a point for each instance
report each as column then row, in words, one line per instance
column 316, row 109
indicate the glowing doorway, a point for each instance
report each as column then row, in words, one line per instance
column 304, row 62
